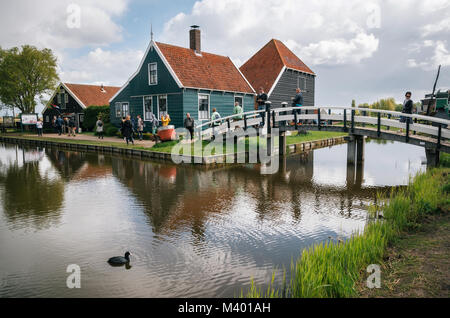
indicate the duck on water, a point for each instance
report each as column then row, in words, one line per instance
column 120, row 260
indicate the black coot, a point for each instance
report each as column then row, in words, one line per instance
column 120, row 260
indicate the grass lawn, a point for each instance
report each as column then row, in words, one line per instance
column 290, row 140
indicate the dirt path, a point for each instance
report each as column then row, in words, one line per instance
column 144, row 143
column 419, row 263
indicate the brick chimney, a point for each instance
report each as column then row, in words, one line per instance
column 195, row 39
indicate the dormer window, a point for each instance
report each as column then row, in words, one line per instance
column 152, row 74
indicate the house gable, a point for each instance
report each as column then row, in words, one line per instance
column 266, row 68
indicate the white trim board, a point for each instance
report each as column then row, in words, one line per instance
column 69, row 91
column 162, row 57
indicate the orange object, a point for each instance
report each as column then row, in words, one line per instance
column 167, row 133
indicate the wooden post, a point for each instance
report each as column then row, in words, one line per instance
column 345, row 120
column 353, row 121
column 318, row 119
column 379, row 125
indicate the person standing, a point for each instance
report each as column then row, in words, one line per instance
column 128, row 130
column 39, row 126
column 298, row 101
column 408, row 106
column 153, row 122
column 99, row 128
column 189, row 125
column 140, row 127
column 261, row 100
column 215, row 118
column 71, row 126
column 237, row 111
column 59, row 125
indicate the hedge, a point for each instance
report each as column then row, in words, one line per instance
column 91, row 115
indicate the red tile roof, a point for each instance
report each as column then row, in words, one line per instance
column 92, row 95
column 208, row 71
column 263, row 68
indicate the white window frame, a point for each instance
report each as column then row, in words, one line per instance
column 198, row 106
column 241, row 97
column 299, row 77
column 128, row 109
column 118, row 109
column 167, row 104
column 143, row 106
column 149, row 75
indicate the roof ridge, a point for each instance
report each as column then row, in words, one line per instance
column 188, row 49
column 278, row 50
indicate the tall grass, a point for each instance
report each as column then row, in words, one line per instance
column 333, row 269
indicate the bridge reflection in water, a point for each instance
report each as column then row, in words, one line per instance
column 193, row 232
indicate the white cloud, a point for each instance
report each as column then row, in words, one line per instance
column 102, row 67
column 44, row 23
column 438, row 27
column 439, row 55
column 338, row 51
column 337, row 29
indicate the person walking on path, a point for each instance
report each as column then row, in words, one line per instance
column 298, row 101
column 238, row 112
column 215, row 118
column 99, row 128
column 127, row 130
column 71, row 126
column 140, row 127
column 261, row 99
column 39, row 126
column 153, row 122
column 59, row 125
column 189, row 125
column 408, row 106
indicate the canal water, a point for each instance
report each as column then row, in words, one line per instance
column 192, row 232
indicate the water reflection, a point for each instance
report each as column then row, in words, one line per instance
column 194, row 232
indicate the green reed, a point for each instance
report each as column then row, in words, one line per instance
column 333, row 269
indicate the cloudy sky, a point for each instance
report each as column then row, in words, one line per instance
column 363, row 50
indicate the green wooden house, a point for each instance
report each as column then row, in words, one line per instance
column 177, row 80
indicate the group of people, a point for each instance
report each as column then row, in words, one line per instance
column 129, row 127
column 64, row 125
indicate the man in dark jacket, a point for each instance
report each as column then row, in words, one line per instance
column 408, row 106
column 297, row 101
column 127, row 130
column 261, row 99
column 189, row 124
column 59, row 124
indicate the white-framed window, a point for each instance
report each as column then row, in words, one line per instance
column 58, row 99
column 203, row 107
column 301, row 82
column 63, row 104
column 125, row 109
column 152, row 74
column 66, row 98
column 148, row 106
column 47, row 119
column 163, row 108
column 118, row 110
column 240, row 100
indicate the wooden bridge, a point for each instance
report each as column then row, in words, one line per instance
column 424, row 131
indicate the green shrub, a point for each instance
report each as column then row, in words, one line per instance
column 110, row 130
column 91, row 115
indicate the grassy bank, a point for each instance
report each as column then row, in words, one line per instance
column 290, row 140
column 336, row 269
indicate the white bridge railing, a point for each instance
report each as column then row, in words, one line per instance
column 349, row 117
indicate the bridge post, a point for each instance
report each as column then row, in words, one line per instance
column 360, row 149
column 351, row 150
column 282, row 143
column 433, row 156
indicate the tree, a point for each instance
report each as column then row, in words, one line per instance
column 25, row 75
